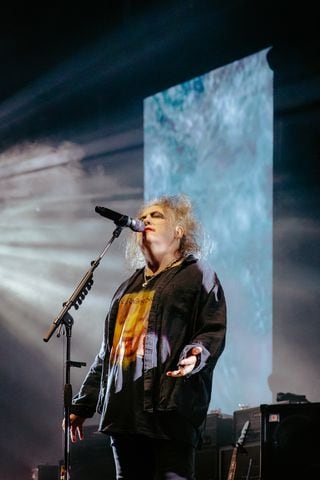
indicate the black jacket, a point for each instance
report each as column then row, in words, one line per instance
column 188, row 309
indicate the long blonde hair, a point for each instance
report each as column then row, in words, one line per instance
column 181, row 208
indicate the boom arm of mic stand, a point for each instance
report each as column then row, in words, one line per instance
column 81, row 290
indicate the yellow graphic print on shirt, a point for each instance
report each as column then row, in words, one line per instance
column 131, row 327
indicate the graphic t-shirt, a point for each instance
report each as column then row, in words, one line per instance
column 131, row 326
column 125, row 413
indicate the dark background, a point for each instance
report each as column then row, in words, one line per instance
column 68, row 71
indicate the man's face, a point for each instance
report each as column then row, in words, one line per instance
column 159, row 236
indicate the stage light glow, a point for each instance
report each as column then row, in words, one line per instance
column 50, row 234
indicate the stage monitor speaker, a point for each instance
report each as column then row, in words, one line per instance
column 290, row 442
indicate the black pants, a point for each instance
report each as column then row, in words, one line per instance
column 142, row 458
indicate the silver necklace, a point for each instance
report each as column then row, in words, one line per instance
column 148, row 278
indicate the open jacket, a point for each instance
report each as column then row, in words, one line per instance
column 188, row 310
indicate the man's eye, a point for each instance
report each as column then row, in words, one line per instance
column 157, row 215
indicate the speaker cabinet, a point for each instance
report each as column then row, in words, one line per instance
column 240, row 417
column 92, row 457
column 46, row 472
column 290, row 442
column 283, row 443
column 206, row 463
column 218, row 432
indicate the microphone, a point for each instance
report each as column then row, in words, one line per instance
column 121, row 220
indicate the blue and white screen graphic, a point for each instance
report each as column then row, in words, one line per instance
column 212, row 139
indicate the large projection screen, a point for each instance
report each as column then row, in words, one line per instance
column 211, row 138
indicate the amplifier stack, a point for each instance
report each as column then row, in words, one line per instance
column 281, row 442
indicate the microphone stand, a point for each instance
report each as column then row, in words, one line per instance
column 65, row 320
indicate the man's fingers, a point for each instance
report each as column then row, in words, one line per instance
column 175, row 373
column 73, row 434
column 80, row 432
column 75, row 427
column 182, row 371
column 76, row 432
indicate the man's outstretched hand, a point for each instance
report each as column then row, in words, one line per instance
column 187, row 364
